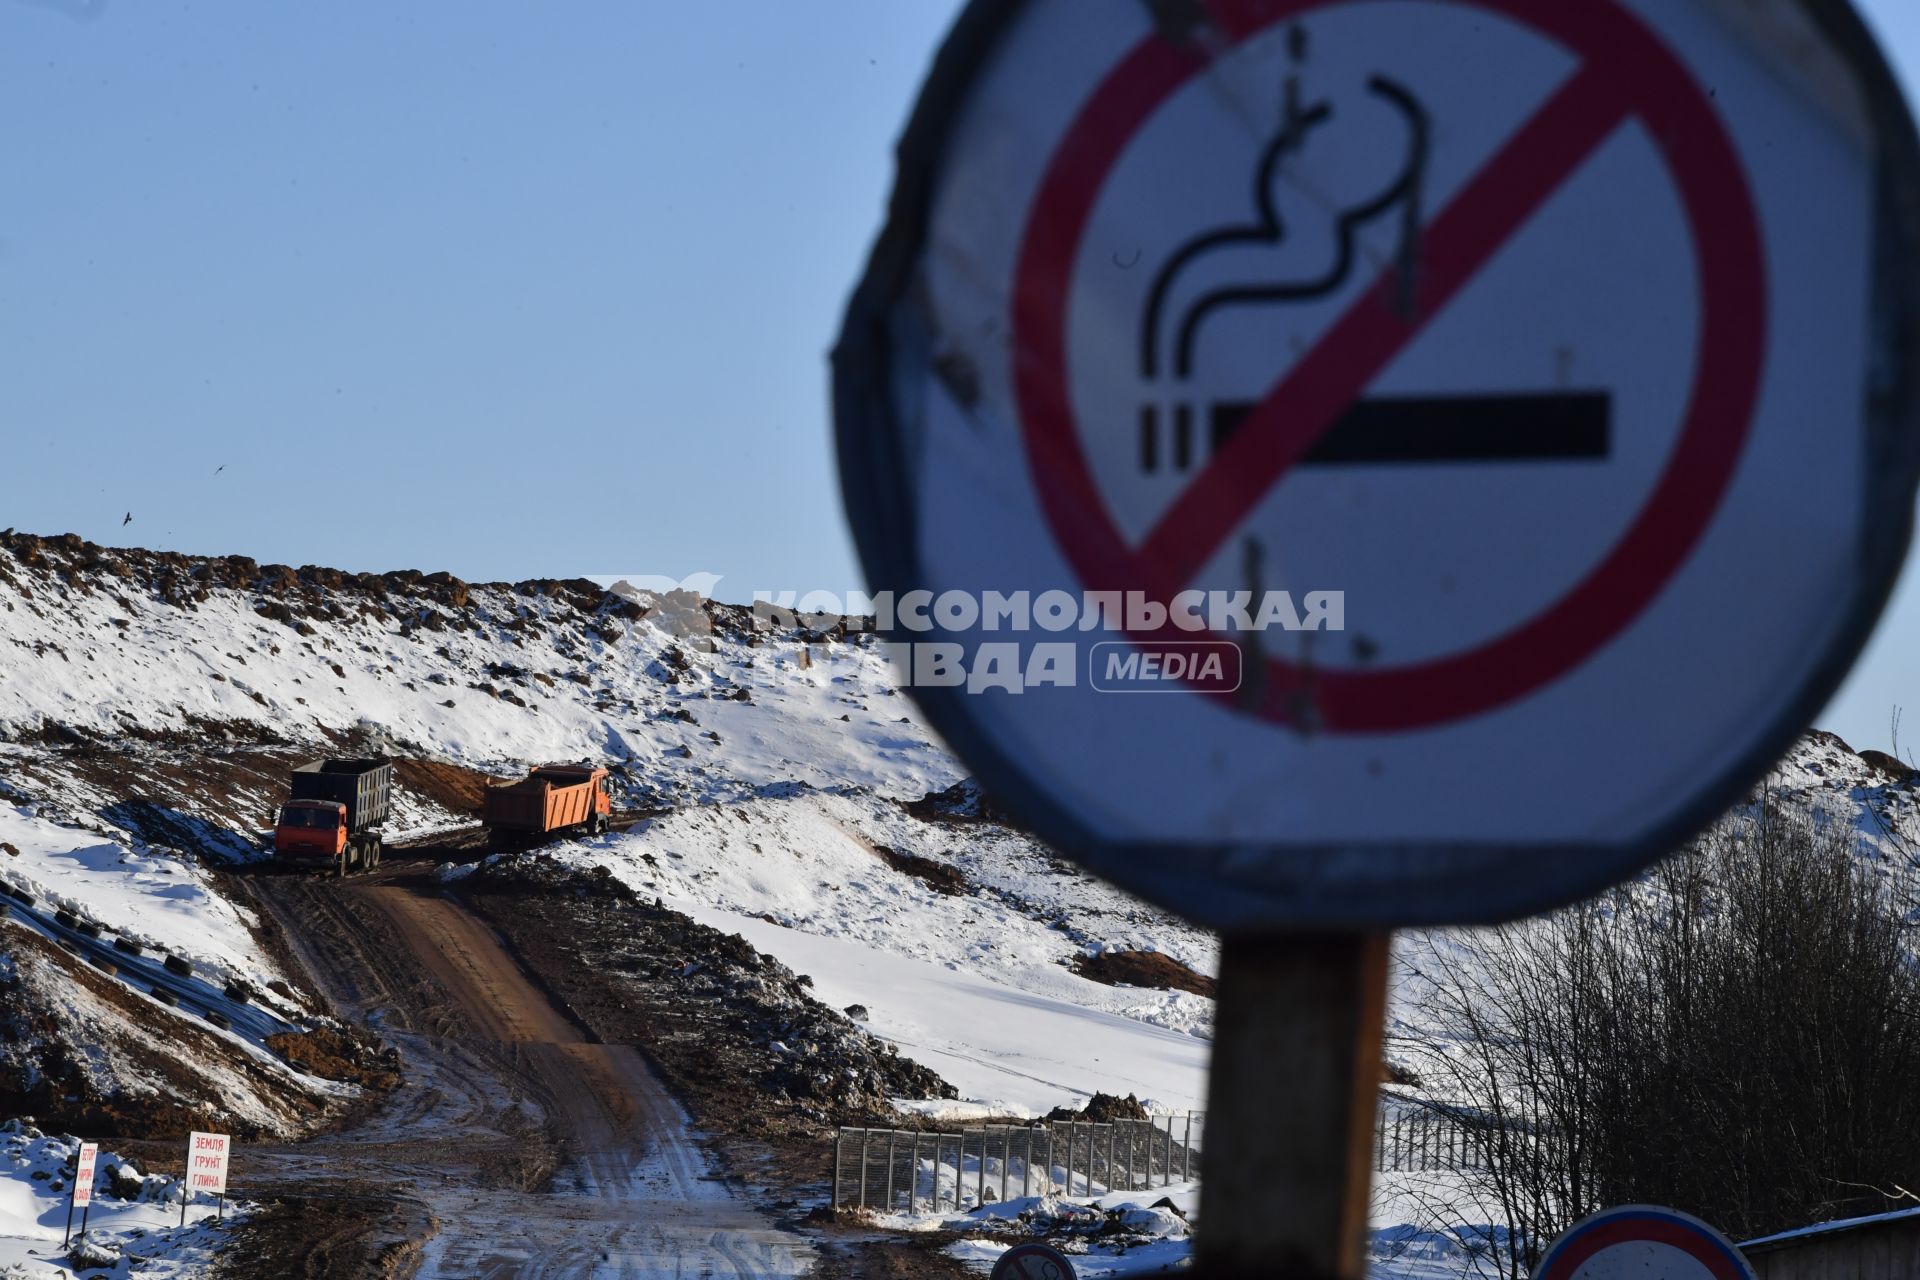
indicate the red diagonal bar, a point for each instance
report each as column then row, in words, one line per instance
column 1305, row 404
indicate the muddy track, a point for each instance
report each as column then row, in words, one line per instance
column 532, row 1150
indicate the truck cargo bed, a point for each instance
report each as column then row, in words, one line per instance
column 365, row 787
column 550, row 798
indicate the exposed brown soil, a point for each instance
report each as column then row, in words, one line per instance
column 965, row 803
column 198, row 799
column 1142, row 969
column 55, row 1085
column 507, row 1188
column 1892, row 766
column 341, row 1237
column 340, row 1053
column 916, row 1258
column 710, row 1029
column 941, row 876
column 451, row 787
column 1104, row 1108
column 709, row 1010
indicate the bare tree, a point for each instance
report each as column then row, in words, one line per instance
column 1736, row 1033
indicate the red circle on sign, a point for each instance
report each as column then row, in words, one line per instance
column 1626, row 73
column 1633, row 1226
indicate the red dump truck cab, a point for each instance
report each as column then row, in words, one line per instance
column 553, row 797
column 311, row 831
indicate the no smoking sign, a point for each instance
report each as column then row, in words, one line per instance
column 1559, row 339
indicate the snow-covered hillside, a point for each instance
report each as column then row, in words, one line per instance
column 115, row 646
column 150, row 703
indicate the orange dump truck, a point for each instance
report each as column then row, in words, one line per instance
column 554, row 797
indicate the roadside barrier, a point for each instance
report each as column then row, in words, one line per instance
column 893, row 1170
column 910, row 1170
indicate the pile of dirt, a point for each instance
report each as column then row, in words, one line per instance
column 713, row 1012
column 1892, row 766
column 340, row 1053
column 341, row 1235
column 296, row 598
column 1142, row 969
column 453, row 788
column 942, row 877
column 1103, row 1108
column 965, row 803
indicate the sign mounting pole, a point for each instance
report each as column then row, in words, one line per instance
column 1284, row 1188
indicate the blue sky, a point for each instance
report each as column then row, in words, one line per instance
column 504, row 290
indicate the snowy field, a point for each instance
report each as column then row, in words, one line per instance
column 1018, row 1050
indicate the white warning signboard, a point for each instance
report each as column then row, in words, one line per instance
column 1546, row 360
column 83, row 1174
column 207, row 1162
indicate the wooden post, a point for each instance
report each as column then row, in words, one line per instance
column 1284, row 1186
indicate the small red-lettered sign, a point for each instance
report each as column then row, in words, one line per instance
column 207, row 1162
column 1165, row 666
column 83, row 1174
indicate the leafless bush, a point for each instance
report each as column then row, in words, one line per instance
column 1736, row 1034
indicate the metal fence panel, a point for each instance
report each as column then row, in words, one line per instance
column 913, row 1171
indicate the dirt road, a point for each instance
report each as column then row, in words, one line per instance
column 532, row 1151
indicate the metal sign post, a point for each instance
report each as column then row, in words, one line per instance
column 1456, row 411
